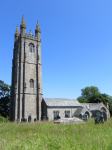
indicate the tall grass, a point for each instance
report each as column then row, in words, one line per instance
column 50, row 136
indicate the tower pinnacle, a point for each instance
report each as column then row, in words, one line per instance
column 37, row 27
column 30, row 32
column 23, row 23
column 17, row 31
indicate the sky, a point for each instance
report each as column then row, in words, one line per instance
column 76, row 43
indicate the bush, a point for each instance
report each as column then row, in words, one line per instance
column 2, row 119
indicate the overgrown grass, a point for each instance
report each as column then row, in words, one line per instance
column 50, row 136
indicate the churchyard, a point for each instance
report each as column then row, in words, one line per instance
column 46, row 135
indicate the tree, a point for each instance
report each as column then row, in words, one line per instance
column 110, row 104
column 96, row 97
column 4, row 98
column 87, row 91
column 110, row 98
column 82, row 99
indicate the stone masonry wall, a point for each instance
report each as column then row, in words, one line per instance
column 25, row 99
column 107, row 110
column 50, row 111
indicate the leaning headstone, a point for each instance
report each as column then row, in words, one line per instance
column 85, row 117
column 105, row 116
column 99, row 117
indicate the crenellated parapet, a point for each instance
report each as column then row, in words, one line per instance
column 24, row 34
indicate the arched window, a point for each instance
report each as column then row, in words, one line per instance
column 103, row 109
column 87, row 113
column 31, row 47
column 31, row 83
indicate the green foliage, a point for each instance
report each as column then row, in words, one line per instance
column 82, row 99
column 87, row 91
column 95, row 98
column 2, row 119
column 4, row 99
column 110, row 104
column 110, row 98
column 49, row 136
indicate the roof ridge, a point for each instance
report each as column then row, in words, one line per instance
column 61, row 98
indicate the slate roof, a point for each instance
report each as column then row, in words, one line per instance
column 61, row 102
column 78, row 111
column 91, row 106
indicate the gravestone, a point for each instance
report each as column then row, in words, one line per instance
column 35, row 119
column 80, row 116
column 85, row 117
column 17, row 120
column 44, row 118
column 23, row 120
column 105, row 116
column 99, row 117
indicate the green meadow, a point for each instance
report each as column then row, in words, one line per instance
column 46, row 135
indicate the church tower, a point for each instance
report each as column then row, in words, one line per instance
column 26, row 86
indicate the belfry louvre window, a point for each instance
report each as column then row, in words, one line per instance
column 31, row 83
column 56, row 114
column 67, row 114
column 31, row 48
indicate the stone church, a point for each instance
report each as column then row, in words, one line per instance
column 27, row 102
